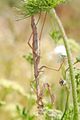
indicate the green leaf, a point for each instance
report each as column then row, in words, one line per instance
column 56, row 36
column 29, row 58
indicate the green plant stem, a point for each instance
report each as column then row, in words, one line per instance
column 73, row 83
column 67, row 100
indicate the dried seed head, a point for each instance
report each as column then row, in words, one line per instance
column 62, row 82
column 60, row 50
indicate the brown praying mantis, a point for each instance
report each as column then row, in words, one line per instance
column 35, row 46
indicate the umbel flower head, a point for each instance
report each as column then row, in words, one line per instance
column 32, row 7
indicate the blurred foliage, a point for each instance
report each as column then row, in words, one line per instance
column 17, row 101
column 10, row 86
column 50, row 114
column 69, row 114
column 77, row 78
column 78, row 58
column 57, row 38
column 7, row 3
column 24, row 114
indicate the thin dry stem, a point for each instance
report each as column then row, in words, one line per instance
column 36, row 60
column 43, row 26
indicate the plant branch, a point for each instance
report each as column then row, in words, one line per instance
column 43, row 25
column 73, row 64
column 72, row 78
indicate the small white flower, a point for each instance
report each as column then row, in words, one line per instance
column 60, row 50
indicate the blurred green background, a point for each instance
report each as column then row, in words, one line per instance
column 14, row 35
